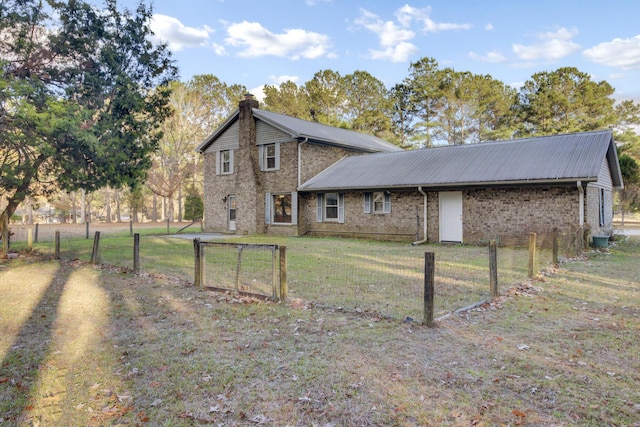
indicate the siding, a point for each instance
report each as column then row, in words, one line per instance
column 267, row 134
column 227, row 141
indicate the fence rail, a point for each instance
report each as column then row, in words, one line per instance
column 388, row 279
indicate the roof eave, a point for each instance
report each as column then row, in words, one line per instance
column 438, row 186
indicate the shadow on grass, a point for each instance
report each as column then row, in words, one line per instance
column 22, row 364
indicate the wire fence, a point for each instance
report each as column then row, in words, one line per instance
column 381, row 278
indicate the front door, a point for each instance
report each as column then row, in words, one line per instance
column 232, row 212
column 451, row 216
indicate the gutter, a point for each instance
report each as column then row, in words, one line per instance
column 424, row 195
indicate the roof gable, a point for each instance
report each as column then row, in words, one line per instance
column 308, row 131
column 550, row 159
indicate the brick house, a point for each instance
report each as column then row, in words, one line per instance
column 268, row 173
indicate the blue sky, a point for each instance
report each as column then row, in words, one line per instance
column 257, row 42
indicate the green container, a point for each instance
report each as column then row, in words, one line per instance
column 600, row 241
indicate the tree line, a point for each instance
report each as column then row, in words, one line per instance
column 90, row 107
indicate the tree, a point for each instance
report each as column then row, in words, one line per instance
column 82, row 95
column 630, row 194
column 288, row 99
column 563, row 101
column 401, row 113
column 367, row 108
column 425, row 98
column 326, row 98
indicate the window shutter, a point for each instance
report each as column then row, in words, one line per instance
column 231, row 161
column 319, row 206
column 367, row 203
column 341, row 208
column 218, row 163
column 267, row 208
column 294, row 208
column 277, row 156
column 387, row 203
column 261, row 157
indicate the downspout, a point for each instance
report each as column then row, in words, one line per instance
column 581, row 198
column 300, row 161
column 424, row 240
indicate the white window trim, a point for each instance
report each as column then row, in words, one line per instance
column 369, row 205
column 269, row 209
column 321, row 208
column 262, row 154
column 219, row 162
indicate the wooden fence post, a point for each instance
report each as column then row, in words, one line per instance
column 136, row 253
column 532, row 254
column 35, row 238
column 130, row 228
column 429, row 287
column 197, row 281
column 96, row 244
column 86, row 232
column 493, row 268
column 168, row 225
column 283, row 273
column 57, row 245
column 554, row 254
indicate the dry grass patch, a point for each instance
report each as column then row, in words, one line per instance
column 87, row 346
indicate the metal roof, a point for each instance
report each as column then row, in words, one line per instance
column 549, row 159
column 311, row 131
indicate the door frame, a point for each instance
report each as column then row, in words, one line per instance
column 452, row 229
column 232, row 210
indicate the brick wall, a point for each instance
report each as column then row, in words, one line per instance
column 508, row 215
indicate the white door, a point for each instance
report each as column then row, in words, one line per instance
column 232, row 212
column 451, row 216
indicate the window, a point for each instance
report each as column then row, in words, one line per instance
column 281, row 208
column 224, row 162
column 269, row 157
column 225, row 158
column 232, row 207
column 378, row 202
column 330, row 207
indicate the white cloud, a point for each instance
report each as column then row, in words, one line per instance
column 393, row 38
column 488, row 27
column 283, row 78
column 552, row 46
column 170, row 30
column 623, row 53
column 407, row 14
column 257, row 41
column 494, row 57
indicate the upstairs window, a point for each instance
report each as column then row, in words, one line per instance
column 269, row 157
column 224, row 162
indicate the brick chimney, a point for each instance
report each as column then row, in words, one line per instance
column 249, row 185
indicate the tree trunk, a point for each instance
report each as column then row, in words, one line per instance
column 155, row 207
column 83, row 206
column 118, row 213
column 107, row 205
column 180, row 204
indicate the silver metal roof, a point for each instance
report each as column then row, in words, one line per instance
column 550, row 159
column 312, row 131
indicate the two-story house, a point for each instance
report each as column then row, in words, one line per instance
column 269, row 173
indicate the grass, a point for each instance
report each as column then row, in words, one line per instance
column 382, row 277
column 83, row 345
